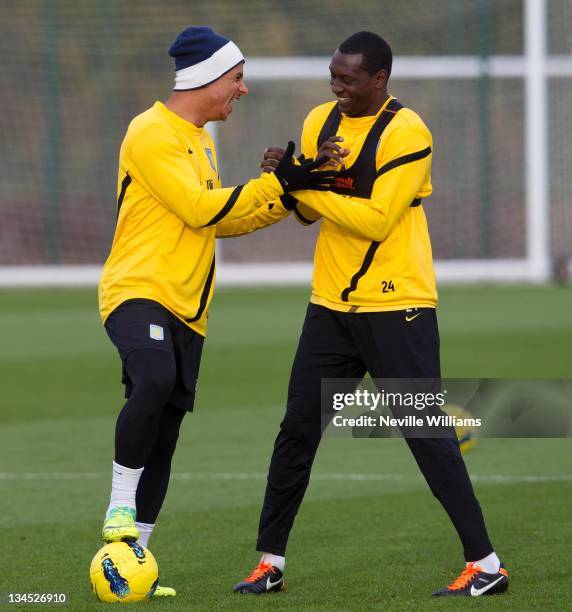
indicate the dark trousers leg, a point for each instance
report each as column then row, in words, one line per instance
column 325, row 350
column 152, row 374
column 147, row 428
column 159, row 373
column 395, row 348
column 154, row 481
column 442, row 465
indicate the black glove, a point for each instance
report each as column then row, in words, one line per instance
column 304, row 160
column 289, row 201
column 293, row 177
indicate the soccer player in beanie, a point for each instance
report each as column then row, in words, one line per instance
column 158, row 280
column 373, row 302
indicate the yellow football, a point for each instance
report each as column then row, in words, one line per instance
column 466, row 434
column 123, row 572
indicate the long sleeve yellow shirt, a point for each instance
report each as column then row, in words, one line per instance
column 169, row 203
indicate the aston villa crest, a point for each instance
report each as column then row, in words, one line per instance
column 209, row 153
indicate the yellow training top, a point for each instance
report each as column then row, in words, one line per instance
column 169, row 202
column 374, row 254
column 373, row 251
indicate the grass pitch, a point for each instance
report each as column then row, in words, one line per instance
column 369, row 534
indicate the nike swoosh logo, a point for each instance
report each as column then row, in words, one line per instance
column 408, row 319
column 477, row 592
column 270, row 584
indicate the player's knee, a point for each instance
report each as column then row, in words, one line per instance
column 156, row 375
column 305, row 431
column 160, row 382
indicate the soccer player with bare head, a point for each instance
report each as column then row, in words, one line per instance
column 158, row 280
column 373, row 303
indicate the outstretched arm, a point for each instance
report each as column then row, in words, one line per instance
column 265, row 216
column 160, row 165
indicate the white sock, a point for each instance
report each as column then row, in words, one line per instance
column 490, row 564
column 124, row 486
column 275, row 560
column 145, row 531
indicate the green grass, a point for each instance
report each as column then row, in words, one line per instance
column 377, row 543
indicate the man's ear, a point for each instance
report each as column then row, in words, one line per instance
column 381, row 79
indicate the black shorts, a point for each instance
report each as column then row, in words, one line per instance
column 144, row 324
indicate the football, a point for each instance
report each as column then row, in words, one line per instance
column 123, row 572
column 467, row 435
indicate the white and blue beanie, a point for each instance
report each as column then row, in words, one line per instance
column 201, row 57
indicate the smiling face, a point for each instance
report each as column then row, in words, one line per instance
column 359, row 93
column 223, row 92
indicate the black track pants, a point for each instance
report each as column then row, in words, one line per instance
column 347, row 345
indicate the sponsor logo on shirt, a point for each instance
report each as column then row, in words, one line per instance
column 345, row 183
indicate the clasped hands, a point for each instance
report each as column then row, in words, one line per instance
column 330, row 155
column 305, row 175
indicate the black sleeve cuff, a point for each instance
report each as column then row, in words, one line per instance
column 288, row 201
